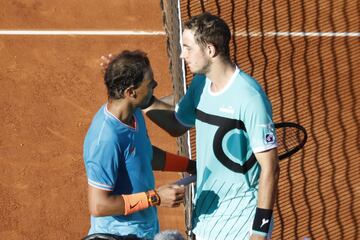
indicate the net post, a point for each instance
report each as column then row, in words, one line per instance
column 171, row 23
column 172, row 28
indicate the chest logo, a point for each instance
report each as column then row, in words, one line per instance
column 229, row 110
column 225, row 125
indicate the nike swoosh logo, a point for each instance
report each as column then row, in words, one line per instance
column 264, row 221
column 132, row 206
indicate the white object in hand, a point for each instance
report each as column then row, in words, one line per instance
column 186, row 180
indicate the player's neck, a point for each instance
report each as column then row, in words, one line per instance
column 220, row 74
column 122, row 111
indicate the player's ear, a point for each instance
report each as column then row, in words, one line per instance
column 130, row 92
column 211, row 50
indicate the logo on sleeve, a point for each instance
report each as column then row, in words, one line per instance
column 269, row 138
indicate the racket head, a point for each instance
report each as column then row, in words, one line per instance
column 291, row 137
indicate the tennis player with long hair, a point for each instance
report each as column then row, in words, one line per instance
column 236, row 148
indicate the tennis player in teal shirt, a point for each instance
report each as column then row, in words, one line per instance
column 236, row 148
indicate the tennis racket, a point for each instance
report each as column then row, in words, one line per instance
column 291, row 137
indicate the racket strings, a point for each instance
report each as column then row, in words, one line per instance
column 288, row 139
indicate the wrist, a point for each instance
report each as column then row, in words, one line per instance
column 153, row 198
column 135, row 202
column 262, row 221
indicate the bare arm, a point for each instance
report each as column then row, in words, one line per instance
column 268, row 182
column 163, row 115
column 269, row 177
column 105, row 203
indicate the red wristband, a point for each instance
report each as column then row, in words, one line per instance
column 175, row 163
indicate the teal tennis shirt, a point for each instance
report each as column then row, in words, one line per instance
column 231, row 125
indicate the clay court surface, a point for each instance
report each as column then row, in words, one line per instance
column 51, row 86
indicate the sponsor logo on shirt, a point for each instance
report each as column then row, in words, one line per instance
column 269, row 138
column 227, row 110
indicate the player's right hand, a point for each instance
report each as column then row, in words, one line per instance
column 171, row 195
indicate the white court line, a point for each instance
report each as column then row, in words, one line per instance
column 299, row 34
column 155, row 33
column 79, row 32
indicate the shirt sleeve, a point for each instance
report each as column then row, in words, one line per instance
column 185, row 110
column 102, row 165
column 259, row 125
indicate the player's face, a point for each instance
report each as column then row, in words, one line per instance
column 194, row 55
column 146, row 89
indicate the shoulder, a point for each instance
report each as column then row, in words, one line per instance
column 253, row 97
column 248, row 82
column 250, row 88
column 101, row 134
